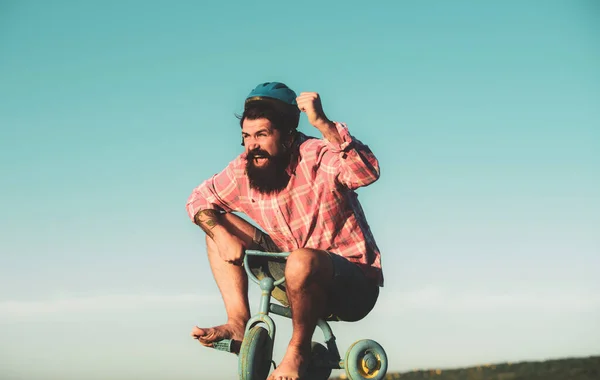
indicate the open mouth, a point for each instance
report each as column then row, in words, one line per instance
column 260, row 160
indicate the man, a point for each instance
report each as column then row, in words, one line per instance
column 300, row 191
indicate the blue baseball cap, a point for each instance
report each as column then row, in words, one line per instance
column 273, row 90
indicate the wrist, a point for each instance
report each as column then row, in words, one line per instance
column 324, row 124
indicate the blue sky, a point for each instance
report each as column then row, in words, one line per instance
column 484, row 117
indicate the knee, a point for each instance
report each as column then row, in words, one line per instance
column 303, row 264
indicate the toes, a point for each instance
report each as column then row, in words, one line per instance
column 197, row 332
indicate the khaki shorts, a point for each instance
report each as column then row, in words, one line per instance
column 352, row 296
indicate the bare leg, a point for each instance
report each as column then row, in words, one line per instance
column 309, row 276
column 233, row 285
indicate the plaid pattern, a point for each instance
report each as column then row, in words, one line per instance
column 318, row 209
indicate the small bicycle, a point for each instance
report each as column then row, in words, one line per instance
column 364, row 359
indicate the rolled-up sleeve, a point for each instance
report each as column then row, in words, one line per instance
column 352, row 163
column 219, row 192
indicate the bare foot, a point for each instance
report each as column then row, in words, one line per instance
column 293, row 365
column 207, row 336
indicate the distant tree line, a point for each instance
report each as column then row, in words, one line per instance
column 560, row 369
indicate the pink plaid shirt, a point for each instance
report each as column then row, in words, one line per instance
column 318, row 209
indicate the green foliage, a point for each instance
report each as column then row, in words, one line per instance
column 560, row 369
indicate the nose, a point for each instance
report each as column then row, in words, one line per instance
column 251, row 144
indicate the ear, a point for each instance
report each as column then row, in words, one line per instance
column 289, row 138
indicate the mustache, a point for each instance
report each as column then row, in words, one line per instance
column 258, row 152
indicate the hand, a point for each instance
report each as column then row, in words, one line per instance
column 231, row 248
column 310, row 103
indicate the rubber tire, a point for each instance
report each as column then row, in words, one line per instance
column 255, row 355
column 353, row 361
column 318, row 373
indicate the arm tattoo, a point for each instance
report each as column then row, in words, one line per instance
column 207, row 220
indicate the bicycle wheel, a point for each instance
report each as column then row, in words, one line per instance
column 254, row 360
column 366, row 359
column 318, row 369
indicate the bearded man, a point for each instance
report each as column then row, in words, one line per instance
column 300, row 191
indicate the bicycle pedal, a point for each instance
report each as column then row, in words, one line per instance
column 223, row 345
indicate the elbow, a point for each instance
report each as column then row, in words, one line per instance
column 372, row 179
column 194, row 203
column 190, row 209
column 375, row 173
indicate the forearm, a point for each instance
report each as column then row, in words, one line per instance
column 329, row 131
column 230, row 247
column 209, row 221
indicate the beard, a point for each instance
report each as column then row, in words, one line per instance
column 272, row 176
